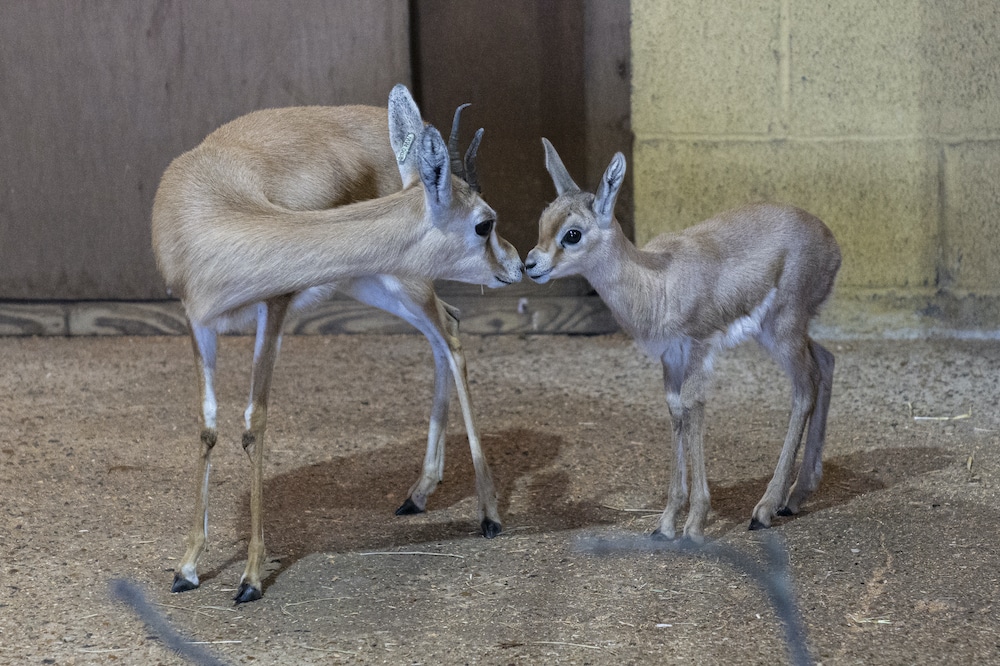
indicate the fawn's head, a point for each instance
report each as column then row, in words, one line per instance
column 577, row 224
column 463, row 226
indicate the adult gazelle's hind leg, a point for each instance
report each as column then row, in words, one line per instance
column 415, row 302
column 270, row 318
column 204, row 342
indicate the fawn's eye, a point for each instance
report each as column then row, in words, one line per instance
column 484, row 228
column 572, row 237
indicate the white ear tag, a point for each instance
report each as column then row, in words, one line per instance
column 404, row 150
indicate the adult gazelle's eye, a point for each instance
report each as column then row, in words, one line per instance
column 572, row 237
column 484, row 228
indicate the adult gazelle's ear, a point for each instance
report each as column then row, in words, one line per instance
column 405, row 129
column 554, row 165
column 607, row 192
column 435, row 173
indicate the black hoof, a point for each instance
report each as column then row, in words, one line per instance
column 657, row 535
column 247, row 593
column 491, row 528
column 757, row 525
column 785, row 511
column 408, row 508
column 182, row 584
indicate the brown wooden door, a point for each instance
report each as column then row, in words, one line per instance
column 98, row 97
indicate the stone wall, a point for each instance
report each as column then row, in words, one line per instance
column 881, row 118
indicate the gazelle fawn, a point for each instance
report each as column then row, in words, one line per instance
column 280, row 208
column 758, row 272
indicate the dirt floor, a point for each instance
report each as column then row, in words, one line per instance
column 895, row 560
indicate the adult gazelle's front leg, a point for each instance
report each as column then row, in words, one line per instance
column 441, row 330
column 489, row 516
column 415, row 302
column 270, row 318
column 204, row 341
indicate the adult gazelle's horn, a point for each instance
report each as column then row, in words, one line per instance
column 464, row 169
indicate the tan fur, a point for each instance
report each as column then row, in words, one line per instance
column 281, row 207
column 759, row 272
column 282, row 219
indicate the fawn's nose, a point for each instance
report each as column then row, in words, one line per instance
column 531, row 260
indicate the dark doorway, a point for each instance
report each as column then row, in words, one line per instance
column 531, row 68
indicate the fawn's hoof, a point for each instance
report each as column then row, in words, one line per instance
column 182, row 584
column 657, row 535
column 491, row 528
column 408, row 508
column 785, row 511
column 757, row 525
column 247, row 592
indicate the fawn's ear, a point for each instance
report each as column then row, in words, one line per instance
column 607, row 192
column 405, row 129
column 435, row 172
column 560, row 176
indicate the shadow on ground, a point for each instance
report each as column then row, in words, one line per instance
column 343, row 504
column 844, row 479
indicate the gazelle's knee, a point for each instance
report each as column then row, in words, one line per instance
column 209, row 437
column 249, row 442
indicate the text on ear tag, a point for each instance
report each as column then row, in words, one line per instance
column 404, row 150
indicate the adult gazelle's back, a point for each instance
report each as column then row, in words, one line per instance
column 758, row 272
column 280, row 208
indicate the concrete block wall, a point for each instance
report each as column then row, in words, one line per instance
column 883, row 119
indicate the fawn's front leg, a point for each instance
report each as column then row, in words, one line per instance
column 694, row 435
column 677, row 494
column 684, row 378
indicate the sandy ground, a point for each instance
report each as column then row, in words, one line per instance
column 895, row 560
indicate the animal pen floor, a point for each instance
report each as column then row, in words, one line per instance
column 895, row 560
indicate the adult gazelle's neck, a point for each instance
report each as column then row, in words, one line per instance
column 281, row 252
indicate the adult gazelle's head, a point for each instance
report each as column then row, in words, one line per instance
column 462, row 233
